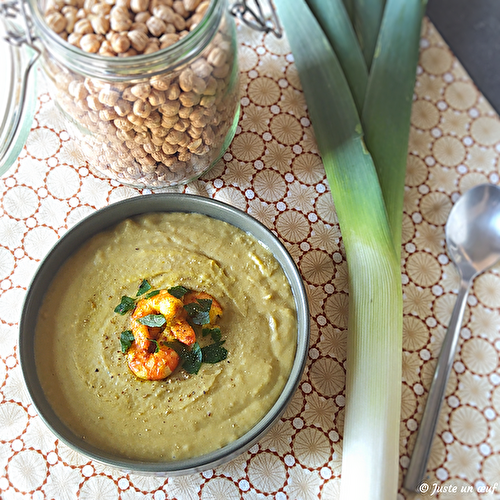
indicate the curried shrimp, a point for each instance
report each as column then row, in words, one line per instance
column 148, row 357
column 152, row 365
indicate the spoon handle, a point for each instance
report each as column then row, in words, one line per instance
column 421, row 451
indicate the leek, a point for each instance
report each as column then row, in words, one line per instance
column 368, row 218
column 334, row 20
column 387, row 106
column 367, row 19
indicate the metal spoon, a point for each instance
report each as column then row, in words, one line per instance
column 473, row 241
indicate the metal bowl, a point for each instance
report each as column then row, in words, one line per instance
column 106, row 218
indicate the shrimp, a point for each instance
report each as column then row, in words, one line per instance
column 215, row 309
column 152, row 365
column 148, row 357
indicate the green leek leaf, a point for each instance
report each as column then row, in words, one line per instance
column 388, row 103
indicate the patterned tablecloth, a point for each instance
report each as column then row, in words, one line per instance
column 273, row 171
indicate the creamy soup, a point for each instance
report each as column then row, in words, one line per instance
column 85, row 374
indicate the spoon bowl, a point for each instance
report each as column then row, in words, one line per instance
column 473, row 230
column 473, row 242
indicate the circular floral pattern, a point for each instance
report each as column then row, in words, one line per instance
column 468, row 425
column 273, row 171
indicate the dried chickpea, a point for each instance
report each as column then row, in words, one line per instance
column 182, row 125
column 191, row 5
column 173, row 92
column 120, row 42
column 159, row 132
column 123, row 124
column 101, row 9
column 135, row 26
column 137, row 6
column 109, row 97
column 156, row 26
column 77, row 90
column 141, row 90
column 135, row 120
column 168, row 39
column 141, row 108
column 207, row 101
column 56, row 22
column 100, row 25
column 142, row 17
column 189, row 99
column 138, row 39
column 185, row 112
column 222, row 71
column 163, row 12
column 186, row 80
column 108, row 114
column 211, row 86
column 91, row 43
column 94, row 103
column 160, row 82
column 122, row 107
column 169, row 121
column 70, row 16
column 152, row 46
column 170, row 108
column 120, row 23
column 83, row 26
column 202, row 68
column 153, row 120
column 156, row 98
column 128, row 95
column 74, row 39
column 169, row 148
column 106, row 49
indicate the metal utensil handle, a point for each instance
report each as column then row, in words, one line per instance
column 257, row 20
column 420, row 456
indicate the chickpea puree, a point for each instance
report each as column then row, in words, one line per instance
column 86, row 377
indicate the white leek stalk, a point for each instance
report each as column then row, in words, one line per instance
column 368, row 199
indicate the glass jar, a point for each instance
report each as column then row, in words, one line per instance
column 152, row 120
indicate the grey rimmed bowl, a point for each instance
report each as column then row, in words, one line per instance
column 106, row 218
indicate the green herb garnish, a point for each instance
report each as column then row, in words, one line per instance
column 153, row 320
column 152, row 294
column 213, row 353
column 192, row 358
column 178, row 291
column 126, row 305
column 155, row 342
column 126, row 339
column 199, row 311
column 143, row 288
column 214, row 332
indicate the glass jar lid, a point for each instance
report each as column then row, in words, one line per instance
column 17, row 89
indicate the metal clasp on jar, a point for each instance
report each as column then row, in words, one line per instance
column 18, row 32
column 256, row 18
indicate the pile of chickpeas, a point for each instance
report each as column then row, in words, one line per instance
column 157, row 131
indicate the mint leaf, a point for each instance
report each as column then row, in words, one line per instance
column 199, row 311
column 152, row 294
column 153, row 320
column 191, row 358
column 213, row 353
column 214, row 332
column 126, row 339
column 143, row 288
column 126, row 305
column 178, row 291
